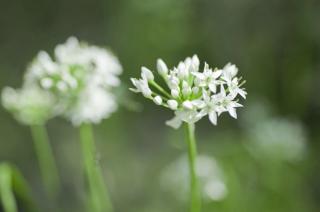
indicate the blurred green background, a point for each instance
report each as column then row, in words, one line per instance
column 268, row 159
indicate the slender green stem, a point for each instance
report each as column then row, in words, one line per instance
column 99, row 197
column 46, row 160
column 13, row 186
column 6, row 192
column 164, row 92
column 195, row 202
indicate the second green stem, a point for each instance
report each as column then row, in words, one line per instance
column 195, row 201
column 99, row 197
column 46, row 160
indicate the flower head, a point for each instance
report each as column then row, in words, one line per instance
column 81, row 76
column 29, row 105
column 274, row 137
column 191, row 93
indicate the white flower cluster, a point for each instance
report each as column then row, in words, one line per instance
column 192, row 93
column 278, row 139
column 76, row 83
column 29, row 105
column 80, row 77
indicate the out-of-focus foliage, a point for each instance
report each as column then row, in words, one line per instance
column 15, row 194
column 269, row 160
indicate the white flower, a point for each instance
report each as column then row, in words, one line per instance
column 278, row 139
column 93, row 105
column 141, row 86
column 235, row 89
column 78, row 76
column 229, row 71
column 208, row 78
column 192, row 93
column 189, row 116
column 29, row 105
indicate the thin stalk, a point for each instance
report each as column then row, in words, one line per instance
column 46, row 160
column 99, row 197
column 154, row 84
column 195, row 201
column 12, row 187
column 6, row 191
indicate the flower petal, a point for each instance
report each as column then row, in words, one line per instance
column 175, row 122
column 213, row 118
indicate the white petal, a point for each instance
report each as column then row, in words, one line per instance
column 242, row 93
column 235, row 104
column 205, row 95
column 146, row 92
column 187, row 104
column 213, row 117
column 175, row 122
column 222, row 91
column 199, row 75
column 195, row 60
column 231, row 70
column 216, row 74
column 198, row 103
column 134, row 81
column 181, row 66
column 232, row 112
column 146, row 74
column 213, row 87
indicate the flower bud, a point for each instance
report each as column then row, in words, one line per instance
column 162, row 67
column 186, row 91
column 175, row 93
column 173, row 104
column 187, row 105
column 157, row 100
column 146, row 74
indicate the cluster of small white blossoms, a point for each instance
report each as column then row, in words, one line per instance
column 81, row 77
column 193, row 94
column 30, row 105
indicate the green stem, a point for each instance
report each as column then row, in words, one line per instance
column 195, row 202
column 6, row 192
column 164, row 92
column 99, row 197
column 13, row 186
column 46, row 160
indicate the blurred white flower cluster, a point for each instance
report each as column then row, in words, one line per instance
column 80, row 78
column 175, row 177
column 191, row 93
column 279, row 139
column 271, row 137
column 30, row 105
